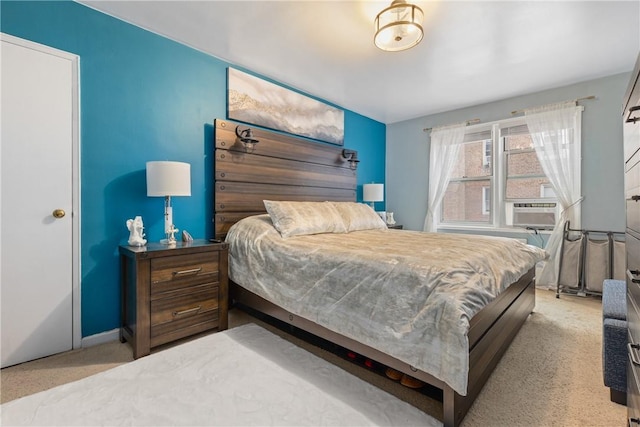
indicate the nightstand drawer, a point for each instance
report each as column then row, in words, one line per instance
column 184, row 306
column 170, row 273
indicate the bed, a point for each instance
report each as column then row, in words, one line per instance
column 286, row 170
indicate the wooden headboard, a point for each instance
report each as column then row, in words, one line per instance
column 281, row 167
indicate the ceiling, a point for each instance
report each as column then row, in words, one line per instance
column 472, row 52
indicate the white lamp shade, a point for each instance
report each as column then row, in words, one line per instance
column 373, row 192
column 168, row 179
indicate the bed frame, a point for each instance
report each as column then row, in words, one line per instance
column 282, row 167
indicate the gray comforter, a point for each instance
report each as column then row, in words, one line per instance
column 408, row 294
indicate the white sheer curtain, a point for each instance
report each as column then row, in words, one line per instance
column 555, row 131
column 445, row 145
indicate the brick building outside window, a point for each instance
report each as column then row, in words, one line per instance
column 497, row 159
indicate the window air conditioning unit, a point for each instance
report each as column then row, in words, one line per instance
column 536, row 215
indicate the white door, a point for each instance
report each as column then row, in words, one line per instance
column 38, row 232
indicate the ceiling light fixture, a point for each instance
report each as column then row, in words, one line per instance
column 399, row 27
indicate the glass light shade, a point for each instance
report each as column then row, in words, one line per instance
column 399, row 26
column 373, row 192
column 168, row 179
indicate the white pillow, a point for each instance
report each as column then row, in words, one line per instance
column 301, row 218
column 358, row 216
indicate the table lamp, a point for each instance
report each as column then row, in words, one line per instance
column 166, row 179
column 373, row 193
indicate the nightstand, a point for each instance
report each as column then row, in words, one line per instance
column 395, row 226
column 171, row 292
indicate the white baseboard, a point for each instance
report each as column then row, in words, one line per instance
column 101, row 338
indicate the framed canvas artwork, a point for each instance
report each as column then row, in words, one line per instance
column 262, row 103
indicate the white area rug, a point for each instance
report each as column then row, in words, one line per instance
column 243, row 376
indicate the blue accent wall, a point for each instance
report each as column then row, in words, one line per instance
column 144, row 97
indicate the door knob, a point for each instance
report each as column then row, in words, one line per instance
column 58, row 213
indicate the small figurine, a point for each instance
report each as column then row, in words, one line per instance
column 390, row 220
column 186, row 237
column 171, row 238
column 136, row 236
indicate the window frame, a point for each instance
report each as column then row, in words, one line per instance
column 499, row 203
column 475, row 134
column 486, row 159
column 486, row 200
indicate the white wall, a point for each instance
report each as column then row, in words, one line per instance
column 407, row 169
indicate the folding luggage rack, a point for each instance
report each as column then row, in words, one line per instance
column 587, row 258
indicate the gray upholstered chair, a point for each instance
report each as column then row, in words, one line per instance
column 614, row 339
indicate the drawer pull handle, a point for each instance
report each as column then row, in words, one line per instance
column 631, row 110
column 635, row 272
column 636, row 198
column 187, row 272
column 188, row 311
column 632, row 352
column 634, row 421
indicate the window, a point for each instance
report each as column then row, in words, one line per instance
column 466, row 200
column 524, row 174
column 497, row 167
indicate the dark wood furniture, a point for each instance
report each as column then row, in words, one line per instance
column 631, row 126
column 170, row 293
column 288, row 168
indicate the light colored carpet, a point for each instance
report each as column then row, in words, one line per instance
column 552, row 373
column 550, row 376
column 245, row 376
